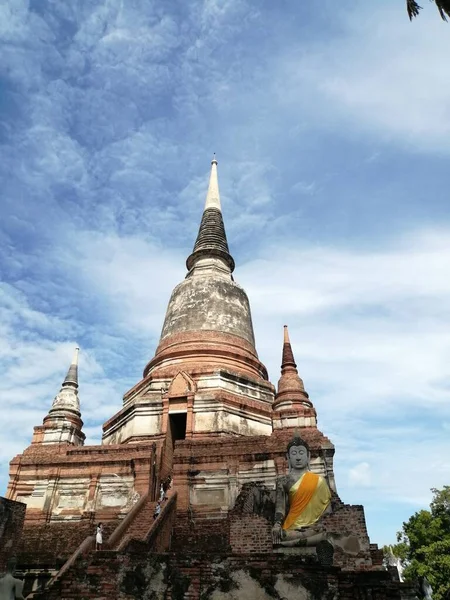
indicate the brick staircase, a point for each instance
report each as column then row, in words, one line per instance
column 138, row 528
column 139, row 511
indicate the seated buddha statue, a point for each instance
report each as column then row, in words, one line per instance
column 302, row 499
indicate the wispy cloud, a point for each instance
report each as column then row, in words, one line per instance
column 377, row 74
column 359, row 475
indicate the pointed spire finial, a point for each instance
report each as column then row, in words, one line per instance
column 290, row 385
column 288, row 356
column 72, row 373
column 211, row 239
column 213, row 196
column 75, row 355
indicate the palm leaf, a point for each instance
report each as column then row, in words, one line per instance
column 443, row 7
column 413, row 8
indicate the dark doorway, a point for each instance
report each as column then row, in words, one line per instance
column 178, row 426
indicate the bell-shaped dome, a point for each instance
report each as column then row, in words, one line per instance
column 209, row 302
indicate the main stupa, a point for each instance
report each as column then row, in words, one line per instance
column 209, row 439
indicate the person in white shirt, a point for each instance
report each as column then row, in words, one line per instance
column 99, row 537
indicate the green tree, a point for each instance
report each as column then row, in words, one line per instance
column 424, row 544
column 443, row 7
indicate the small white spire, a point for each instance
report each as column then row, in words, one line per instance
column 63, row 423
column 213, row 196
column 67, row 398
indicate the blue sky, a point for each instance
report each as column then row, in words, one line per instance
column 332, row 130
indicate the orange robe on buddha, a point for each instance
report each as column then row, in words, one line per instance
column 309, row 497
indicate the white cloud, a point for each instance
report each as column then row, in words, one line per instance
column 360, row 475
column 134, row 277
column 383, row 310
column 380, row 73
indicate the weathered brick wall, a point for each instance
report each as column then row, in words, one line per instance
column 250, row 533
column 12, row 515
column 55, row 469
column 86, row 579
column 194, row 534
column 253, row 533
column 52, row 544
column 377, row 555
column 348, row 519
column 215, row 577
column 135, row 525
column 153, row 536
column 139, row 535
column 51, row 533
column 251, row 520
column 259, row 447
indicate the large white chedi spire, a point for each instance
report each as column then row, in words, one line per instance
column 205, row 366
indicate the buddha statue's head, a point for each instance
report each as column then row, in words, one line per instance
column 298, row 453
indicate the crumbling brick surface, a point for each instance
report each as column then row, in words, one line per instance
column 207, row 454
column 250, row 533
column 51, row 544
column 12, row 515
column 193, row 534
column 138, row 575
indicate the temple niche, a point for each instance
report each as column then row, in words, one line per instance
column 211, row 482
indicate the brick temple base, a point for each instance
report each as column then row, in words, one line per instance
column 218, row 577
